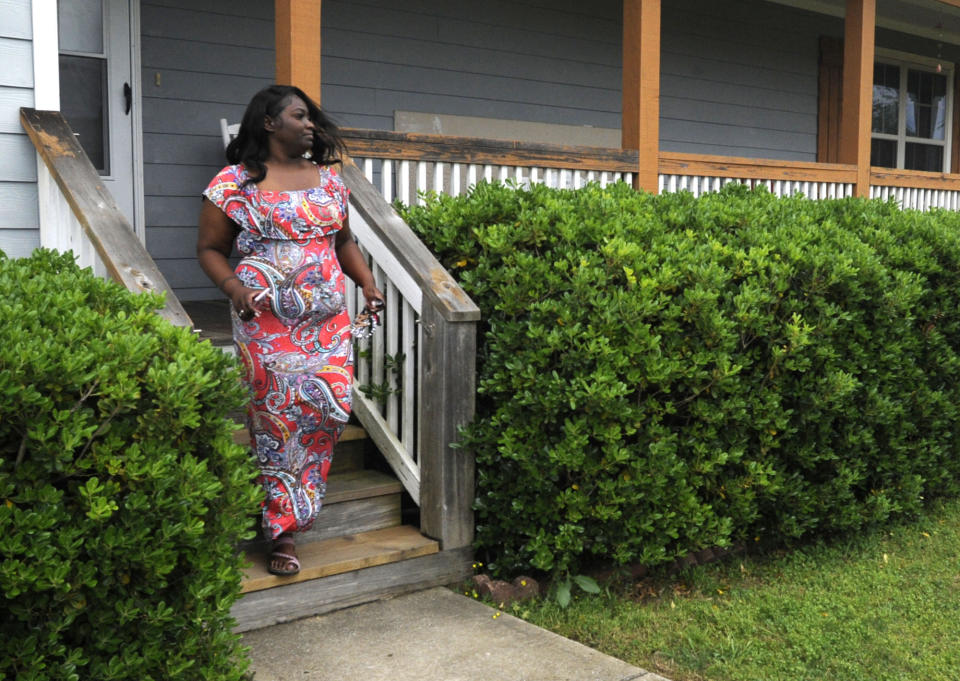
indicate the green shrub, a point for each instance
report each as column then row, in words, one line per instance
column 661, row 374
column 122, row 495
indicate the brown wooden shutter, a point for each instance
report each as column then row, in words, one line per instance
column 830, row 91
column 955, row 136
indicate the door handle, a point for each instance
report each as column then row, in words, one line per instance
column 127, row 98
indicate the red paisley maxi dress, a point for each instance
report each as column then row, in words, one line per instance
column 297, row 358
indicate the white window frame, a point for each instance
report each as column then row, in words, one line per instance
column 907, row 61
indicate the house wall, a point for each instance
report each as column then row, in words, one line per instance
column 201, row 61
column 19, row 220
column 730, row 84
column 738, row 78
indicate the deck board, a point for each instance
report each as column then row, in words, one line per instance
column 342, row 554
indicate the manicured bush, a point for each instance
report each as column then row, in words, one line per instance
column 662, row 374
column 122, row 495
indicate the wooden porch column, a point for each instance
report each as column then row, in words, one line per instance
column 856, row 105
column 641, row 88
column 297, row 26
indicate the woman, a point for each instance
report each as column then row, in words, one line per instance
column 288, row 215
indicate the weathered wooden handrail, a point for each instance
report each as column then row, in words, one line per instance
column 432, row 322
column 406, row 164
column 476, row 150
column 102, row 226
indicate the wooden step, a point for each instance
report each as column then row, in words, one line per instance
column 256, row 609
column 342, row 554
column 356, row 501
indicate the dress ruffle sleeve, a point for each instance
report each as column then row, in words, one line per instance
column 226, row 192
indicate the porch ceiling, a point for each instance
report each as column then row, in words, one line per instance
column 915, row 17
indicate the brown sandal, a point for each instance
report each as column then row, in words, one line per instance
column 281, row 554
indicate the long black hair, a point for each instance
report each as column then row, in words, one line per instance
column 250, row 146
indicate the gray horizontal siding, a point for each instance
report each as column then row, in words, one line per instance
column 19, row 219
column 19, row 243
column 16, row 55
column 19, row 158
column 740, row 79
column 200, row 62
column 514, row 60
column 737, row 78
column 17, row 19
column 18, row 207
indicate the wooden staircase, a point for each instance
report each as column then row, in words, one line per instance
column 358, row 550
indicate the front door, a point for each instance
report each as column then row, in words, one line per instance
column 96, row 92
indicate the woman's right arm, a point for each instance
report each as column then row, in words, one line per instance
column 214, row 244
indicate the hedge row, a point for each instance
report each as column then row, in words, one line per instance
column 661, row 374
column 122, row 495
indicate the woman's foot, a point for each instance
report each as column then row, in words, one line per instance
column 283, row 558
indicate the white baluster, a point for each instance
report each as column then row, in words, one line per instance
column 391, row 321
column 407, row 421
column 403, row 182
column 455, row 180
column 421, row 182
column 438, row 177
column 386, row 180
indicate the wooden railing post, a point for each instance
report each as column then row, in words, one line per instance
column 447, row 389
column 641, row 88
column 297, row 37
column 857, row 103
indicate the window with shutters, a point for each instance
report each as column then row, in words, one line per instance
column 912, row 114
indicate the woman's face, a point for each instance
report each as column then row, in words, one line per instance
column 292, row 127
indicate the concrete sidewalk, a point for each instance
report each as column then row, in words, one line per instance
column 432, row 635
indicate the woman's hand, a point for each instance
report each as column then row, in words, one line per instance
column 248, row 302
column 372, row 295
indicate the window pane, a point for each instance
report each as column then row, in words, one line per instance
column 926, row 104
column 83, row 82
column 886, row 98
column 923, row 157
column 80, row 25
column 883, row 153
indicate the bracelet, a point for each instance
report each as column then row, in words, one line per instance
column 220, row 285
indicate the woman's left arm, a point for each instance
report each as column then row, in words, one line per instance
column 353, row 263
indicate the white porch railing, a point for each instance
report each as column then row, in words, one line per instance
column 421, row 365
column 699, row 184
column 916, row 189
column 700, row 174
column 404, row 165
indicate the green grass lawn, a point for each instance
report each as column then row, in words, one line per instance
column 882, row 606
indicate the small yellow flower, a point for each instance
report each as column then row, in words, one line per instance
column 496, row 615
column 575, row 486
column 926, row 534
column 461, row 263
column 523, row 582
column 720, row 591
